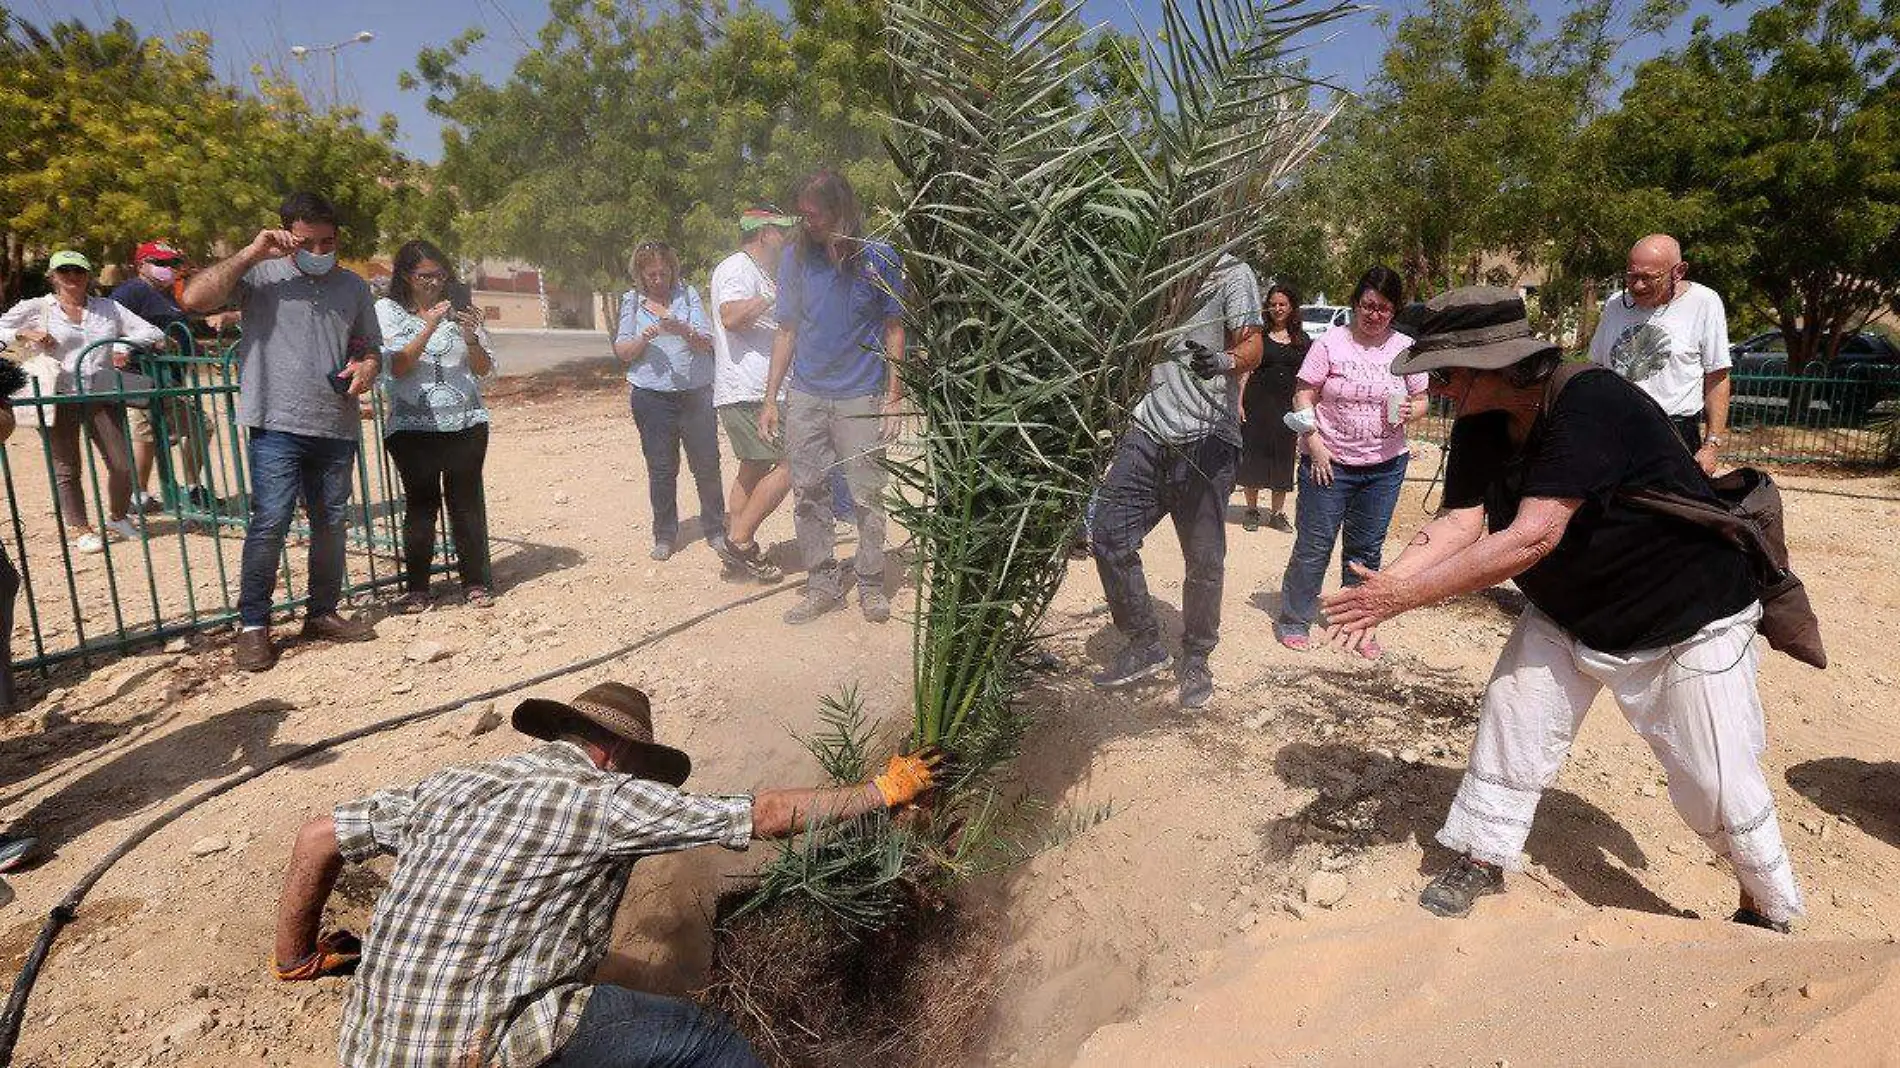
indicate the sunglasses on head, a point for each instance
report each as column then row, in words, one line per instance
column 652, row 246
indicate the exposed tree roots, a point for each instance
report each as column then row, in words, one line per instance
column 808, row 994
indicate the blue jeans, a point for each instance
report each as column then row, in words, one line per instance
column 284, row 466
column 1361, row 500
column 623, row 1028
column 668, row 419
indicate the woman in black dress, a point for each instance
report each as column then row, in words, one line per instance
column 1267, row 453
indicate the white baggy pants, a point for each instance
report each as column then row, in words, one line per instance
column 1693, row 702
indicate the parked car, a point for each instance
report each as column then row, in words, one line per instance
column 1318, row 317
column 1862, row 376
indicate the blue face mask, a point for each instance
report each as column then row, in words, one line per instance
column 314, row 264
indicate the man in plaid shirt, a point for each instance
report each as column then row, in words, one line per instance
column 481, row 951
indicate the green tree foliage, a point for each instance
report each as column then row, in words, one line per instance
column 1774, row 153
column 631, row 122
column 110, row 138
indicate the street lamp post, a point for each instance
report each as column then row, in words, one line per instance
column 302, row 52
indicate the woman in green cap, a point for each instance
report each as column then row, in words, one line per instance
column 61, row 327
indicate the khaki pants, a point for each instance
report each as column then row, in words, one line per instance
column 104, row 424
column 823, row 435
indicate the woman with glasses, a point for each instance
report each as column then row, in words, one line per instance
column 63, row 326
column 1350, row 412
column 435, row 352
column 666, row 340
column 1267, row 450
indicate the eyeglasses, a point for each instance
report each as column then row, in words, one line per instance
column 1438, row 377
column 429, row 276
column 1367, row 308
column 1640, row 278
column 169, row 261
column 70, row 271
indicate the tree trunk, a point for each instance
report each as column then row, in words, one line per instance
column 1587, row 315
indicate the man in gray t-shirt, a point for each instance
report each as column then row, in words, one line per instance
column 1177, row 459
column 311, row 347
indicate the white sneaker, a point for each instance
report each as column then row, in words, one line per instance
column 89, row 542
column 124, row 528
column 146, row 504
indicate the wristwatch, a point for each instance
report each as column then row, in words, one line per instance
column 1712, row 439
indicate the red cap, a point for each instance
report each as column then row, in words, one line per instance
column 156, row 250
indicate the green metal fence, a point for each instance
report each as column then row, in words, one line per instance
column 1848, row 418
column 181, row 574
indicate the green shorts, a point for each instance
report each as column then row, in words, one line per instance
column 741, row 421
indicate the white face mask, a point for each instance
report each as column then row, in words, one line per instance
column 161, row 276
column 313, row 264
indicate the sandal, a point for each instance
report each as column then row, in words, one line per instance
column 478, row 597
column 1371, row 649
column 413, row 603
column 1250, row 521
column 1299, row 643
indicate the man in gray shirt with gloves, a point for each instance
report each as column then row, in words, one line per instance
column 1177, row 460
column 310, row 349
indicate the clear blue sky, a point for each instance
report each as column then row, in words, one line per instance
column 261, row 32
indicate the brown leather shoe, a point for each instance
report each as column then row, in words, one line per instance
column 252, row 651
column 334, row 628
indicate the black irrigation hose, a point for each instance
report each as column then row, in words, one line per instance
column 68, row 909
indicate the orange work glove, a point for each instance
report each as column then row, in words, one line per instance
column 905, row 777
column 336, row 954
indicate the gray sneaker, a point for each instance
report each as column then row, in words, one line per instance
column 1132, row 665
column 872, row 602
column 811, row 607
column 1459, row 887
column 1197, row 681
column 661, row 550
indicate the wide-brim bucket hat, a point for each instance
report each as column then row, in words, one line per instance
column 1480, row 327
column 618, row 709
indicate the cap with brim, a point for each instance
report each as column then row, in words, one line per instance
column 753, row 220
column 155, row 250
column 1480, row 327
column 621, row 711
column 68, row 258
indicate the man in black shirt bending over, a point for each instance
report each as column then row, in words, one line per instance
column 1658, row 610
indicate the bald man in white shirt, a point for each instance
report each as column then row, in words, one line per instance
column 1669, row 336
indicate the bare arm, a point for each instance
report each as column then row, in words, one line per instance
column 6, row 423
column 783, row 342
column 783, row 813
column 1452, row 532
column 739, row 314
column 1484, row 563
column 314, row 864
column 209, row 289
column 1716, row 390
column 894, row 353
column 1247, row 346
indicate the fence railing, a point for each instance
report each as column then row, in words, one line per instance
column 181, row 574
column 1826, row 417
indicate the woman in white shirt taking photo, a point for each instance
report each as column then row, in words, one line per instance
column 435, row 351
column 62, row 326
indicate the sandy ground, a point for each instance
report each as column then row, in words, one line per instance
column 1190, row 929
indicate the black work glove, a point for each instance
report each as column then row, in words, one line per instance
column 1208, row 363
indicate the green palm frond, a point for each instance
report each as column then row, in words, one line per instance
column 1054, row 244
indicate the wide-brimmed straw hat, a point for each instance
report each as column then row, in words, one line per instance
column 1481, row 327
column 618, row 709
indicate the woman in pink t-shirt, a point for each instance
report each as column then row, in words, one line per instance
column 1352, row 451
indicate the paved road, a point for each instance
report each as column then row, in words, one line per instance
column 526, row 352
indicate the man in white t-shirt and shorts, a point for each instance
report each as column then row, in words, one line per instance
column 743, row 296
column 1669, row 336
